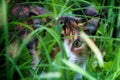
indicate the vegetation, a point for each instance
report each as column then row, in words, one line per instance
column 107, row 40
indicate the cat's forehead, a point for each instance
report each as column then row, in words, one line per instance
column 70, row 25
column 65, row 19
column 69, row 22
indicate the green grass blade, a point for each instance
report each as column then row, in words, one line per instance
column 78, row 69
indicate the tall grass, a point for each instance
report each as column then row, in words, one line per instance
column 107, row 40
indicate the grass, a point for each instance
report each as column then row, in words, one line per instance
column 107, row 40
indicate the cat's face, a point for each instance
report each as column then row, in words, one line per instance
column 74, row 45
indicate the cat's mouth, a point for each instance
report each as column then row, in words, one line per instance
column 72, row 59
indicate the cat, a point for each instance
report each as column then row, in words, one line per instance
column 76, row 49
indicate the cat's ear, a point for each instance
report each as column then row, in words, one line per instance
column 91, row 26
column 66, row 19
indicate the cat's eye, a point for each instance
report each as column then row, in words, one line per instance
column 77, row 43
